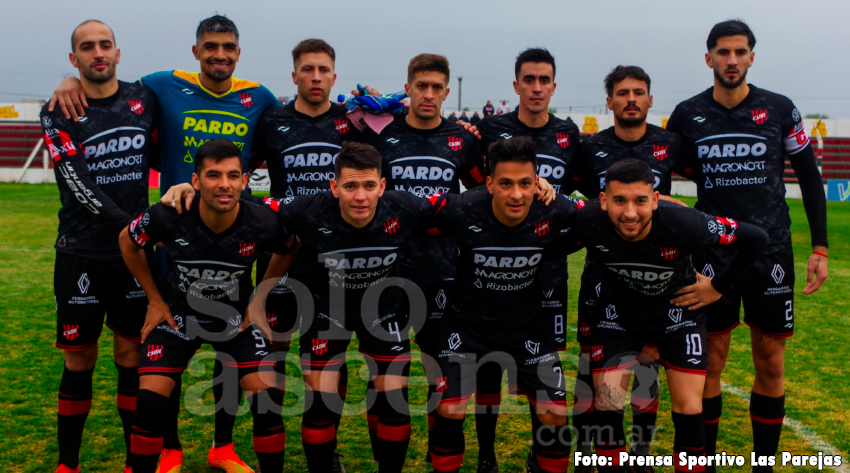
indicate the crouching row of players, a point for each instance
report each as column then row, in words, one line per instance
column 648, row 293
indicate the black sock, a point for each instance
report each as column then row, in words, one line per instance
column 550, row 444
column 583, row 418
column 393, row 429
column 689, row 438
column 610, row 438
column 644, row 401
column 446, row 444
column 227, row 393
column 766, row 415
column 318, row 428
column 74, row 406
column 488, row 399
column 712, row 407
column 371, row 417
column 269, row 434
column 170, row 436
column 126, row 395
column 146, row 439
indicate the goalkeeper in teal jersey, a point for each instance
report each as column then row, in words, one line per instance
column 197, row 107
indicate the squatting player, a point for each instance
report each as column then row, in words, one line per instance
column 557, row 143
column 736, row 138
column 211, row 250
column 198, row 107
column 629, row 98
column 503, row 237
column 650, row 293
column 353, row 236
column 101, row 166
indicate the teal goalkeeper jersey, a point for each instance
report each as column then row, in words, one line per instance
column 190, row 115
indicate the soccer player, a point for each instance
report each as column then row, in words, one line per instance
column 101, row 167
column 629, row 98
column 736, row 138
column 650, row 293
column 211, row 250
column 352, row 237
column 557, row 143
column 503, row 237
column 197, row 107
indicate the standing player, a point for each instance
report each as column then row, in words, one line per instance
column 211, row 250
column 503, row 236
column 198, row 107
column 650, row 293
column 557, row 143
column 101, row 166
column 736, row 138
column 629, row 98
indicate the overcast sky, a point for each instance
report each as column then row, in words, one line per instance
column 802, row 49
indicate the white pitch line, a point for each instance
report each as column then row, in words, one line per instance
column 801, row 430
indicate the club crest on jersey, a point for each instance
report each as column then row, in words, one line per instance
column 271, row 318
column 155, row 352
column 70, row 332
column 669, row 253
column 759, row 116
column 247, row 249
column 341, row 126
column 442, row 384
column 596, row 352
column 563, row 140
column 659, row 152
column 455, row 143
column 246, row 99
column 320, row 346
column 541, row 228
column 391, row 226
column 136, row 106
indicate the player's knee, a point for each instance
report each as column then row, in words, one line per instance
column 127, row 353
column 456, row 411
column 82, row 360
column 689, row 406
column 557, row 418
column 770, row 367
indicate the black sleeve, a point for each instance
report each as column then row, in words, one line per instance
column 259, row 150
column 747, row 239
column 149, row 227
column 814, row 200
column 471, row 172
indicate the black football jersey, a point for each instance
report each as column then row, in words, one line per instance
column 557, row 144
column 209, row 273
column 658, row 148
column 101, row 166
column 427, row 163
column 300, row 150
column 342, row 256
column 737, row 156
column 497, row 282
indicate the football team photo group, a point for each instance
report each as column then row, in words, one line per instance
column 415, row 243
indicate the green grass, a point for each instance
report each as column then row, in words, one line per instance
column 30, row 367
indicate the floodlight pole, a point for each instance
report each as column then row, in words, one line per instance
column 459, row 92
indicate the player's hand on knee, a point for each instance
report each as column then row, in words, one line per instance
column 71, row 99
column 256, row 314
column 158, row 312
column 184, row 193
column 545, row 192
column 817, row 271
column 697, row 295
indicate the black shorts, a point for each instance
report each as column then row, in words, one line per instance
column 85, row 291
column 588, row 297
column 384, row 340
column 282, row 310
column 529, row 356
column 621, row 329
column 766, row 289
column 437, row 305
column 166, row 352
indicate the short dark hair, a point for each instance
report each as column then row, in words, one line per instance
column 516, row 150
column 313, row 45
column 627, row 171
column 358, row 156
column 730, row 28
column 216, row 151
column 216, row 24
column 74, row 33
column 534, row 55
column 427, row 63
column 621, row 73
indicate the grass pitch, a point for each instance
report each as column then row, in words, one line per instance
column 818, row 396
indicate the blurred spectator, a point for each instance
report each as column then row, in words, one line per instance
column 504, row 108
column 488, row 109
column 452, row 118
column 475, row 118
column 463, row 118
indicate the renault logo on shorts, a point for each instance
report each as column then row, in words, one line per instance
column 778, row 274
column 611, row 312
column 454, row 341
column 441, row 299
column 532, row 347
column 675, row 315
column 708, row 271
column 83, row 283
